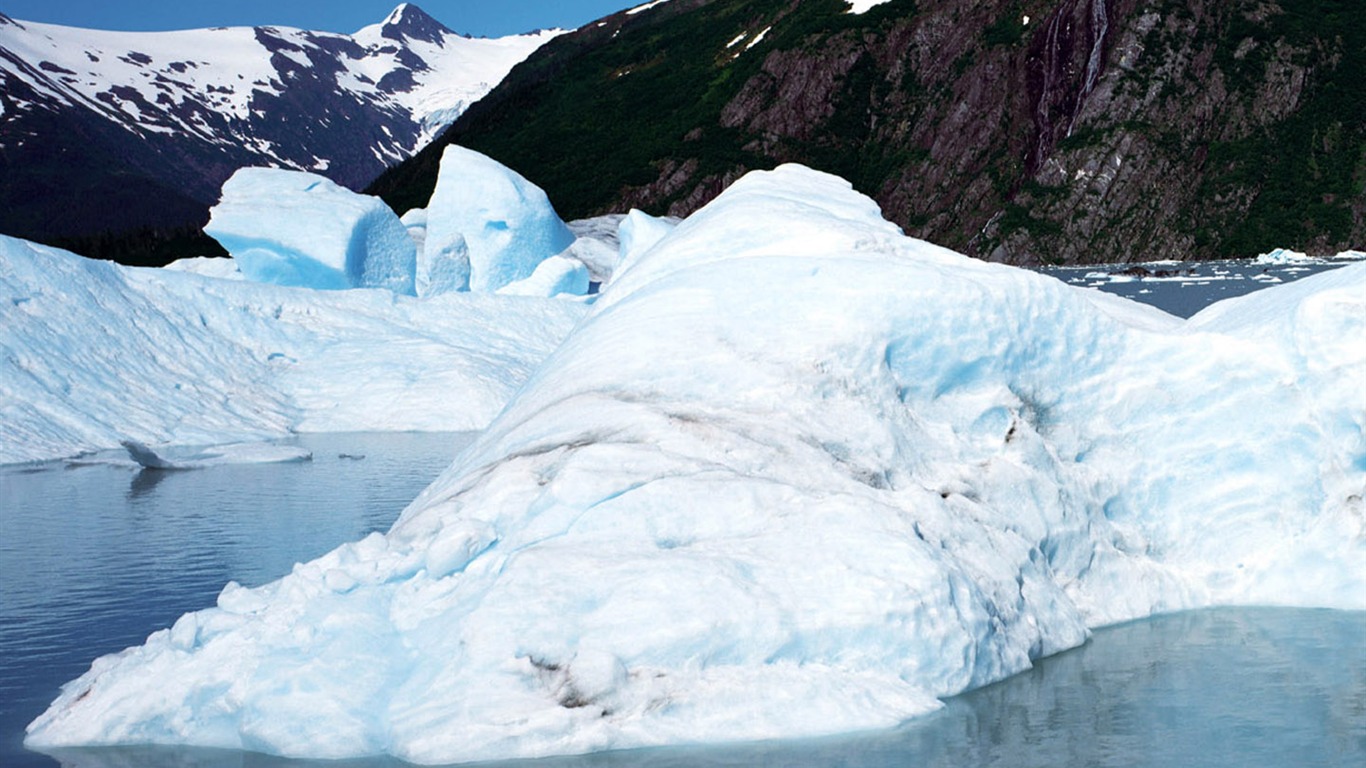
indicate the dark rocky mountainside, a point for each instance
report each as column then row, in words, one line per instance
column 1027, row 131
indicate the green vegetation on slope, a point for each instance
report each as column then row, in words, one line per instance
column 599, row 111
column 1309, row 168
column 1214, row 128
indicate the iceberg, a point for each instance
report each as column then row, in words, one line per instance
column 504, row 223
column 147, row 457
column 1284, row 256
column 300, row 229
column 93, row 354
column 793, row 474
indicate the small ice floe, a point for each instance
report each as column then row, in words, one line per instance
column 232, row 453
column 1284, row 256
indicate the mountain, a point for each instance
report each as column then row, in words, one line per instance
column 1026, row 131
column 107, row 132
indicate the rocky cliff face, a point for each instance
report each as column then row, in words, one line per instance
column 1027, row 131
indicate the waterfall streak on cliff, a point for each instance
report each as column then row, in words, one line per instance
column 1100, row 27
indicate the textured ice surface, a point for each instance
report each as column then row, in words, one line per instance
column 794, row 474
column 444, row 266
column 506, row 223
column 223, row 269
column 596, row 244
column 415, row 221
column 556, row 276
column 92, row 354
column 637, row 233
column 300, row 229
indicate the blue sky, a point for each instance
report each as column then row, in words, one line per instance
column 476, row 17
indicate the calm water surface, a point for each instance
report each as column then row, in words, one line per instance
column 95, row 558
column 1186, row 287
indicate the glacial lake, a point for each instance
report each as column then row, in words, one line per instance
column 94, row 558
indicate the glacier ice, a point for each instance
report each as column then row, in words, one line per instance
column 637, row 233
column 92, row 354
column 556, row 276
column 415, row 221
column 793, row 474
column 596, row 244
column 223, row 269
column 503, row 223
column 443, row 269
column 301, row 229
column 444, row 266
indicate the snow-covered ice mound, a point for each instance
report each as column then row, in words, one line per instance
column 301, row 229
column 92, row 354
column 795, row 474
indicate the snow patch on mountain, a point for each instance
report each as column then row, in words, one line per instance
column 863, row 6
column 215, row 84
column 645, row 7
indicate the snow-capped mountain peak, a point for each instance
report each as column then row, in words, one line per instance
column 408, row 22
column 187, row 108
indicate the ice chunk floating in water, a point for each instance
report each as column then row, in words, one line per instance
column 236, row 453
column 794, row 474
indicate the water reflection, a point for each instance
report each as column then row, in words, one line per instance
column 1227, row 687
column 144, row 482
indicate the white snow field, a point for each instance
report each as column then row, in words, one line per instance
column 93, row 354
column 300, row 229
column 795, row 474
